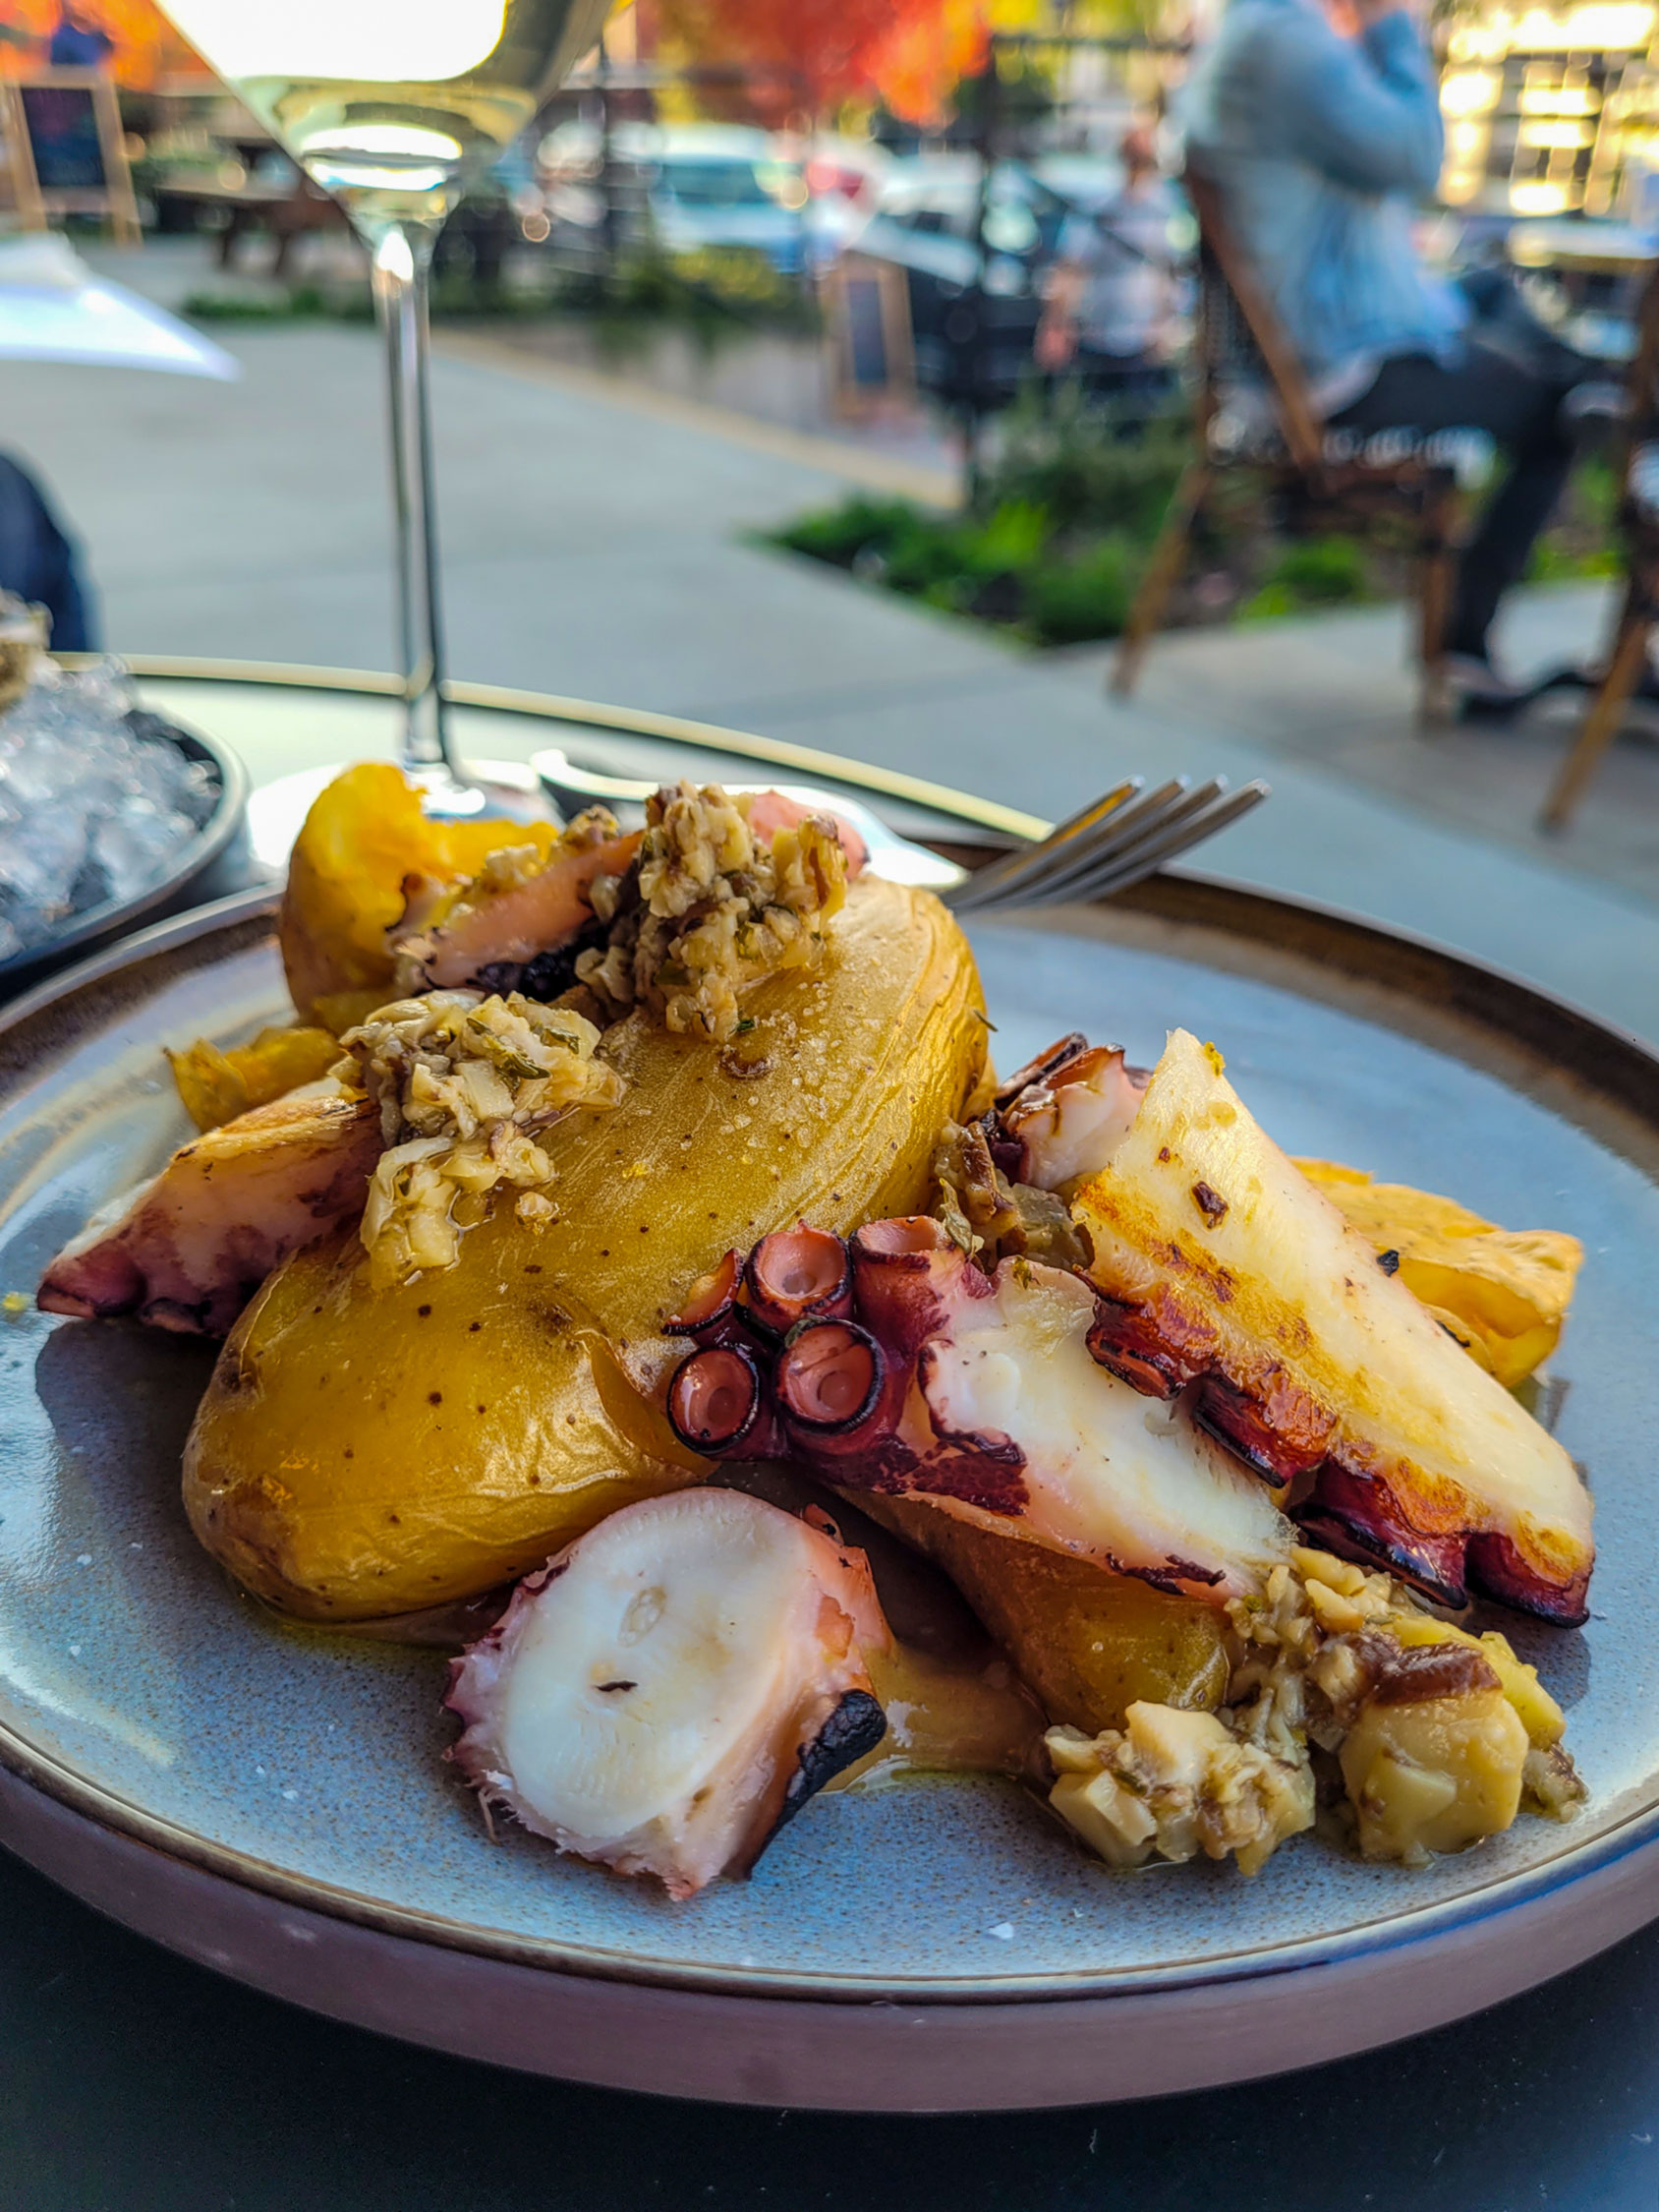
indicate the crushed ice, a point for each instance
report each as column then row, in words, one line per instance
column 94, row 800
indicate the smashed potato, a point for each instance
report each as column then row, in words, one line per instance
column 1089, row 1643
column 364, row 1452
column 362, row 837
column 216, row 1087
column 1502, row 1293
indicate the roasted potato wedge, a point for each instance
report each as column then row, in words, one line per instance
column 1503, row 1293
column 363, row 1453
column 216, row 1087
column 363, row 834
column 1090, row 1644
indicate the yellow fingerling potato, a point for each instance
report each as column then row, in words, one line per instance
column 1503, row 1293
column 361, row 1453
column 1538, row 1712
column 1435, row 1775
column 1090, row 1644
column 216, row 1087
column 363, row 834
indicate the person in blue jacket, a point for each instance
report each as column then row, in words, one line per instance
column 1319, row 121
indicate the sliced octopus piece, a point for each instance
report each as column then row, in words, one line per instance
column 1224, row 1270
column 507, row 929
column 983, row 1397
column 670, row 1690
column 1067, row 1123
column 503, row 932
column 187, row 1250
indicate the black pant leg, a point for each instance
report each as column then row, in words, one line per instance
column 1517, row 402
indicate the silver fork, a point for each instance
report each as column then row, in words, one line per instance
column 1116, row 840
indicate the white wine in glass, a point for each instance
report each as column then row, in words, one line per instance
column 393, row 106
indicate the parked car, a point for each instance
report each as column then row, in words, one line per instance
column 693, row 186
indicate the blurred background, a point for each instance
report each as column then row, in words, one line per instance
column 757, row 400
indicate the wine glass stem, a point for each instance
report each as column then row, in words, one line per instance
column 401, row 265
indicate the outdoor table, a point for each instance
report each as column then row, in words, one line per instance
column 1599, row 264
column 135, row 2081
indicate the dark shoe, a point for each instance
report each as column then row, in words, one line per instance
column 1479, row 693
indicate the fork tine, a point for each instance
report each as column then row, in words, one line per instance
column 1087, row 835
column 1043, row 881
column 992, row 880
column 1129, row 868
column 1168, row 821
column 1152, row 818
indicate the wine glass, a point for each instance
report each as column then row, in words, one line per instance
column 393, row 106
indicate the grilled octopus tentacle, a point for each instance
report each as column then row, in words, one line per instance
column 980, row 1395
column 1226, row 1275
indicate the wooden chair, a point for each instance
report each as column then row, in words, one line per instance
column 1639, row 523
column 1331, row 478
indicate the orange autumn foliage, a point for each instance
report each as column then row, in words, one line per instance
column 816, row 54
column 147, row 46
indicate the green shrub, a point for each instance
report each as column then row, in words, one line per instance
column 1084, row 594
column 1326, row 572
column 1584, row 539
column 1011, row 538
column 1088, row 464
column 933, row 560
column 300, row 305
column 838, row 534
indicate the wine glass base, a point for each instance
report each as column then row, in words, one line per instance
column 511, row 788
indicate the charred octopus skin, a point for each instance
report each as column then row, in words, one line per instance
column 1059, row 1117
column 981, row 1396
column 667, row 1693
column 1224, row 1275
column 187, row 1250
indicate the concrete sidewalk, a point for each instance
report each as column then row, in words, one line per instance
column 594, row 547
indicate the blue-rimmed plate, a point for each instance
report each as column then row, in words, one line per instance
column 272, row 1800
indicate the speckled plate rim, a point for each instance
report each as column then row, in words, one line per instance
column 793, row 2052
column 1613, row 1069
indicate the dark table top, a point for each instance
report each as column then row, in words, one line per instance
column 131, row 2082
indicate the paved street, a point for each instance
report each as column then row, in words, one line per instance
column 596, row 548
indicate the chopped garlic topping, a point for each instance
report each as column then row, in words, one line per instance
column 710, row 910
column 1177, row 1784
column 464, row 1084
column 1440, row 1735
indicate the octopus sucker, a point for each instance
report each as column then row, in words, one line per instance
column 669, row 1692
column 188, row 1248
column 717, row 1403
column 980, row 1395
column 796, row 1275
column 829, row 1377
column 1225, row 1269
column 712, row 1303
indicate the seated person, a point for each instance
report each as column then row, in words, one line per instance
column 37, row 562
column 1319, row 121
column 1112, row 292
